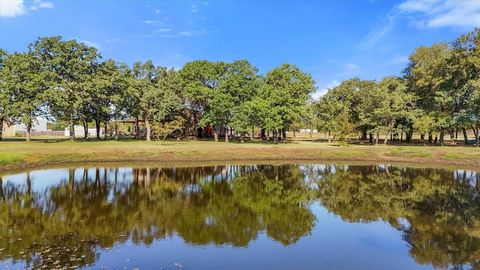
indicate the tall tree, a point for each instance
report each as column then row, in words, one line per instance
column 199, row 80
column 25, row 83
column 237, row 86
column 428, row 76
column 5, row 96
column 289, row 90
column 69, row 64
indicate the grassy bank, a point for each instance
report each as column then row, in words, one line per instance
column 15, row 155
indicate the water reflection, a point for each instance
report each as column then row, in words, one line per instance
column 65, row 219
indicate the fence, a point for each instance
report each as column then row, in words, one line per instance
column 49, row 133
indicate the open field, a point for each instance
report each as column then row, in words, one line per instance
column 17, row 154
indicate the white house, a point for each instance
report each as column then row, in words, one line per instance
column 80, row 132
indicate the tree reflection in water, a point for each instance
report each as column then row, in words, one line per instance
column 438, row 211
column 64, row 225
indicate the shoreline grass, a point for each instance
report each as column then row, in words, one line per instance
column 17, row 155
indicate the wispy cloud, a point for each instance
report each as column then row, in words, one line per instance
column 193, row 8
column 378, row 32
column 351, row 67
column 163, row 30
column 150, row 21
column 425, row 14
column 398, row 60
column 443, row 13
column 38, row 4
column 322, row 91
column 169, row 33
column 11, row 8
column 89, row 43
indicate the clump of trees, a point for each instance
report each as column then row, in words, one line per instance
column 437, row 94
column 68, row 81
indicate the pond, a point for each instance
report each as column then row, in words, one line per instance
column 310, row 216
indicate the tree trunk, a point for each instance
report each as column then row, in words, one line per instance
column 430, row 137
column 116, row 127
column 294, row 135
column 137, row 129
column 275, row 138
column 377, row 137
column 215, row 134
column 475, row 132
column 147, row 125
column 465, row 136
column 422, row 137
column 386, row 138
column 409, row 136
column 1, row 127
column 85, row 129
column 268, row 136
column 97, row 127
column 72, row 129
column 29, row 131
column 329, row 137
column 251, row 134
column 226, row 134
column 442, row 137
column 477, row 138
column 105, row 130
column 452, row 137
column 370, row 137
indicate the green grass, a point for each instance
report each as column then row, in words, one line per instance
column 410, row 151
column 10, row 158
column 18, row 154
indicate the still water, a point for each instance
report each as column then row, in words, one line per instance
column 241, row 217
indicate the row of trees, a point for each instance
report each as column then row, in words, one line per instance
column 439, row 93
column 66, row 80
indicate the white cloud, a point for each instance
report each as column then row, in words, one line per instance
column 162, row 30
column 185, row 34
column 150, row 21
column 11, row 8
column 194, row 9
column 351, row 67
column 89, row 43
column 157, row 11
column 443, row 13
column 38, row 4
column 398, row 59
column 325, row 89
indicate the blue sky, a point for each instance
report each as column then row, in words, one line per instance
column 332, row 40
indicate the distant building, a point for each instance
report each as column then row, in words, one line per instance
column 80, row 132
column 39, row 124
column 308, row 130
